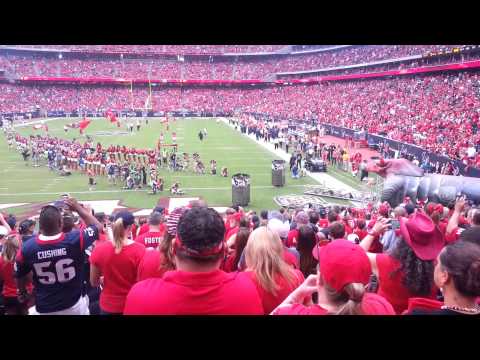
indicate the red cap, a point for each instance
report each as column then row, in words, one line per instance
column 422, row 235
column 236, row 217
column 343, row 262
column 373, row 304
column 384, row 209
column 430, row 208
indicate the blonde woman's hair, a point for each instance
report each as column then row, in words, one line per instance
column 349, row 300
column 119, row 232
column 264, row 256
column 10, row 248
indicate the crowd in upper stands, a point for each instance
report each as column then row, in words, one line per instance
column 161, row 49
column 215, row 68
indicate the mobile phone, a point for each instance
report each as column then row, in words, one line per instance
column 395, row 224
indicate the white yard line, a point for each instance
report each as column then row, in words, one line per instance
column 140, row 191
column 37, row 122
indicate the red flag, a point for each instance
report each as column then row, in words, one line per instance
column 111, row 116
column 84, row 124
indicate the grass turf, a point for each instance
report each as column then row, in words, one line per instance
column 25, row 184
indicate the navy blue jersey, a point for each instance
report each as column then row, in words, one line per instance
column 57, row 267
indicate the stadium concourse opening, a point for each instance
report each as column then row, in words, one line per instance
column 239, row 179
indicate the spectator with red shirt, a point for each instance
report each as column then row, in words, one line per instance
column 291, row 255
column 197, row 286
column 453, row 230
column 407, row 271
column 300, row 219
column 145, row 227
column 154, row 236
column 102, row 219
column 344, row 270
column 273, row 277
column 14, row 305
column 360, row 230
column 155, row 263
column 118, row 263
column 234, row 222
column 336, row 230
column 232, row 260
column 457, row 274
column 323, row 221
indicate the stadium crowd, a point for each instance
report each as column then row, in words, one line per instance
column 211, row 68
column 418, row 258
column 161, row 49
column 439, row 113
column 414, row 259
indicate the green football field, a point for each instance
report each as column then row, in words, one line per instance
column 26, row 184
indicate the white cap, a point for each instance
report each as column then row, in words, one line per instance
column 279, row 227
column 3, row 231
column 353, row 238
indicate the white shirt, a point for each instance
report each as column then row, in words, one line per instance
column 471, row 151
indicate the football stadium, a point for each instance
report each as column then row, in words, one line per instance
column 239, row 179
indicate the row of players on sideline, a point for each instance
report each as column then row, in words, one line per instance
column 120, row 163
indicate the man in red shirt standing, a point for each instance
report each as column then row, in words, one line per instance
column 146, row 227
column 197, row 286
column 154, row 236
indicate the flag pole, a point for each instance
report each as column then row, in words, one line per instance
column 131, row 93
column 150, row 88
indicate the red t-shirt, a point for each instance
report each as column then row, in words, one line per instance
column 323, row 223
column 372, row 304
column 102, row 236
column 186, row 293
column 391, row 288
column 453, row 236
column 291, row 259
column 228, row 264
column 292, row 238
column 270, row 301
column 348, row 229
column 150, row 266
column 134, row 231
column 151, row 239
column 143, row 229
column 119, row 272
column 7, row 276
column 360, row 233
column 231, row 232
